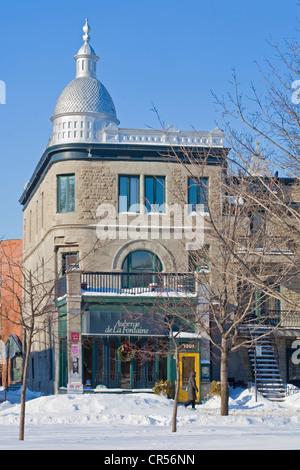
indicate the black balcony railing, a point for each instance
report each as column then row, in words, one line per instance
column 138, row 283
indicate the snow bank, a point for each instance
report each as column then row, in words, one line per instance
column 139, row 408
column 144, row 421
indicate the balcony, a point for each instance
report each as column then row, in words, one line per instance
column 168, row 284
column 268, row 244
column 283, row 318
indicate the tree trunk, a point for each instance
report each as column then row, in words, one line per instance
column 24, row 386
column 224, row 378
column 174, row 423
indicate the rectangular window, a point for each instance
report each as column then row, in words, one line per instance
column 129, row 193
column 198, row 194
column 66, row 193
column 155, row 193
column 68, row 261
column 265, row 305
column 198, row 260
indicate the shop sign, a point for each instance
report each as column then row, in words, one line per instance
column 107, row 323
column 124, row 327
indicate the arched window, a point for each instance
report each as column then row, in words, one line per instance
column 142, row 261
column 140, row 267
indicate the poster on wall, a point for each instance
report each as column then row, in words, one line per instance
column 75, row 336
column 75, row 380
column 75, row 350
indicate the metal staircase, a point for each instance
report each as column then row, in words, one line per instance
column 265, row 366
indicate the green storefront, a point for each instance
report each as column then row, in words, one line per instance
column 126, row 345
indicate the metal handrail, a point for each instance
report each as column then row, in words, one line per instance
column 137, row 283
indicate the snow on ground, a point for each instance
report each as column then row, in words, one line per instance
column 143, row 421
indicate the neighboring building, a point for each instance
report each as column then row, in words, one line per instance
column 10, row 319
column 97, row 214
column 269, row 242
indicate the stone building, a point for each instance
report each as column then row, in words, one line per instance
column 111, row 216
column 107, row 200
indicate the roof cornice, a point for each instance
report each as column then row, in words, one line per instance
column 116, row 152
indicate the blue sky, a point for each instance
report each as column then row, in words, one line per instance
column 171, row 53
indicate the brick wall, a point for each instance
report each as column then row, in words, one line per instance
column 11, row 291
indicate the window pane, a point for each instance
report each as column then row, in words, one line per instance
column 128, row 193
column 66, row 193
column 198, row 260
column 198, row 193
column 123, row 194
column 69, row 260
column 203, row 192
column 71, row 195
column 113, row 360
column 192, row 194
column 160, row 194
column 99, row 374
column 188, row 365
column 134, row 194
column 62, row 194
column 154, row 193
column 142, row 260
column 149, row 193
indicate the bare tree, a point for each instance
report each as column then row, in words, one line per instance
column 242, row 230
column 272, row 117
column 30, row 305
column 266, row 150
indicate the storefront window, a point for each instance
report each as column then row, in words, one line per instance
column 88, row 360
column 99, row 372
column 113, row 360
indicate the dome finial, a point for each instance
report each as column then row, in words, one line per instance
column 86, row 29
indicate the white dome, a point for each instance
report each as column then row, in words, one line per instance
column 86, row 95
column 85, row 107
